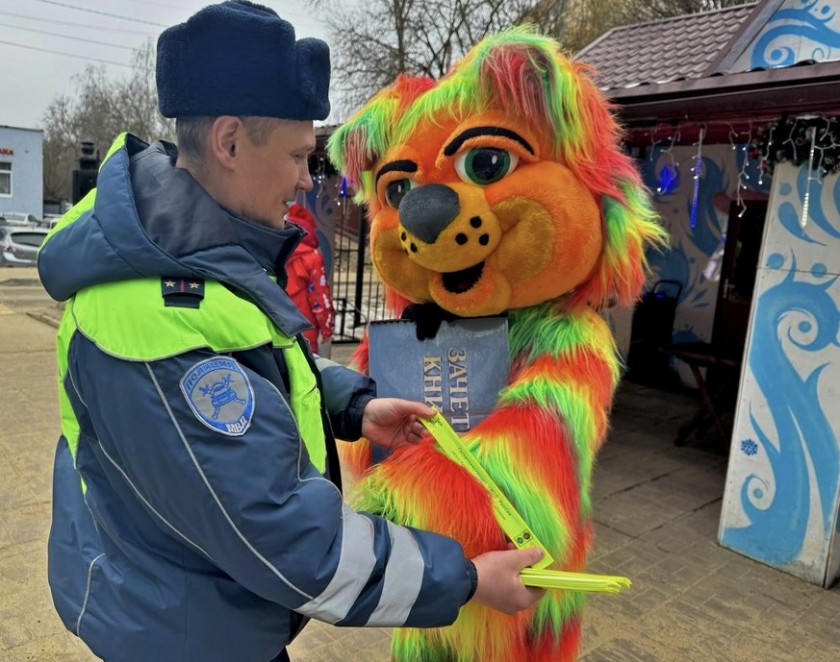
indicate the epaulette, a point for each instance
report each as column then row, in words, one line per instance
column 182, row 292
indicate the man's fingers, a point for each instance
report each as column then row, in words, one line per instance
column 407, row 408
column 530, row 556
column 420, row 409
column 499, row 582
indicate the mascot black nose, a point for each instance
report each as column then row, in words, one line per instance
column 426, row 211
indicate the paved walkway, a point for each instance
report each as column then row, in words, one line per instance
column 656, row 509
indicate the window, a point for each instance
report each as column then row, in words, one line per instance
column 5, row 179
column 34, row 239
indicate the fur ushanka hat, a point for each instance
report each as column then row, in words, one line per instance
column 240, row 58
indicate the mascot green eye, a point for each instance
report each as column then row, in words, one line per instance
column 486, row 165
column 396, row 190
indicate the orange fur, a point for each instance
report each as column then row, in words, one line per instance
column 560, row 232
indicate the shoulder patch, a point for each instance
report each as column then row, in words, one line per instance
column 220, row 395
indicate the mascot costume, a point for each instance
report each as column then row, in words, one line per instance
column 503, row 189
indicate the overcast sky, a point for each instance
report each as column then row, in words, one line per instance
column 30, row 79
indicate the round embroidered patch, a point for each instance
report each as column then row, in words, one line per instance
column 220, row 395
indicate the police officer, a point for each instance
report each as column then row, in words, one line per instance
column 197, row 508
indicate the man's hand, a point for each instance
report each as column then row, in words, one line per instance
column 391, row 423
column 499, row 585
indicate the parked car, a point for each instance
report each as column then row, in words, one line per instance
column 19, row 245
column 50, row 220
column 17, row 218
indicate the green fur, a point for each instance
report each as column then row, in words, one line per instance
column 568, row 402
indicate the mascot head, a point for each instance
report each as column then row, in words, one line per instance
column 501, row 186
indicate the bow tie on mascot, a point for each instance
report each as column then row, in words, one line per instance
column 502, row 188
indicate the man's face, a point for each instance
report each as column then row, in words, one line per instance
column 269, row 176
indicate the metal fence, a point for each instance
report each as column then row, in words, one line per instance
column 357, row 291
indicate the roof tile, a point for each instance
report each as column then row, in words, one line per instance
column 679, row 47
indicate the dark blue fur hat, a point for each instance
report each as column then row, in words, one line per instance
column 240, row 58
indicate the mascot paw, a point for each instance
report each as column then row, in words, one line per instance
column 427, row 318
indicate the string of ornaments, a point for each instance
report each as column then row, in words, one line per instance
column 792, row 139
column 743, row 175
column 697, row 173
column 321, row 170
column 804, row 139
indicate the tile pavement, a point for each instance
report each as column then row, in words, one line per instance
column 656, row 510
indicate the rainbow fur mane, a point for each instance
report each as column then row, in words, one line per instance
column 566, row 231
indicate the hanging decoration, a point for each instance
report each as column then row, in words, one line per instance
column 790, row 140
column 806, row 139
column 777, row 140
column 669, row 176
column 653, row 143
column 803, row 221
column 743, row 175
column 318, row 169
column 322, row 172
column 743, row 178
column 669, row 180
column 764, row 151
column 698, row 173
column 810, row 139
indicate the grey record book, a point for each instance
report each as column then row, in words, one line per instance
column 460, row 371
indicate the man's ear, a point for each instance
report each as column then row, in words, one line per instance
column 226, row 133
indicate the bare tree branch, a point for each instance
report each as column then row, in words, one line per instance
column 99, row 111
column 419, row 37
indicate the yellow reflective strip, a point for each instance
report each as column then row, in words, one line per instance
column 81, row 207
column 116, row 146
column 129, row 320
column 509, row 519
column 306, row 405
column 69, row 423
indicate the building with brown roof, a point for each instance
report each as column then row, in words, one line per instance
column 733, row 115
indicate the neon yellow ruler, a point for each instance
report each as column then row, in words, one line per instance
column 512, row 523
column 574, row 581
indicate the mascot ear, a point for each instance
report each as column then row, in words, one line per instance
column 630, row 225
column 355, row 147
column 630, row 230
column 533, row 80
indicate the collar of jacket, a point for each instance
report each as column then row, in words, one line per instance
column 150, row 219
column 184, row 221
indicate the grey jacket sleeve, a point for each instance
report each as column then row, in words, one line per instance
column 346, row 393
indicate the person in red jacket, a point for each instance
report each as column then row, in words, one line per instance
column 307, row 283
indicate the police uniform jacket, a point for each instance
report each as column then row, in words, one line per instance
column 197, row 508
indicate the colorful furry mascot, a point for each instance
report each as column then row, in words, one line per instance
column 503, row 188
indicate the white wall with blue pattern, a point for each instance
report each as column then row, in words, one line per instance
column 798, row 30
column 783, row 482
column 696, row 215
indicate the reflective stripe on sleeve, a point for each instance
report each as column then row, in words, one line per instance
column 403, row 579
column 355, row 565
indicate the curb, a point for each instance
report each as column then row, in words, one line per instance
column 46, row 319
column 20, row 282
